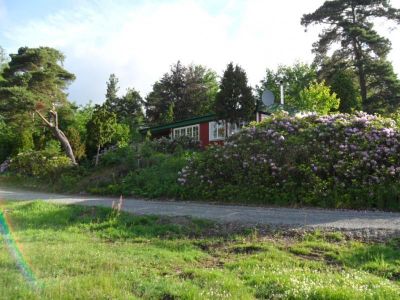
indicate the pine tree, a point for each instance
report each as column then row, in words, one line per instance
column 350, row 23
column 35, row 82
column 235, row 102
column 183, row 93
column 111, row 94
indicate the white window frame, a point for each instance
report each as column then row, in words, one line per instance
column 226, row 127
column 186, row 131
column 211, row 130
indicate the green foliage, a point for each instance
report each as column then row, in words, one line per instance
column 77, row 143
column 141, row 171
column 156, row 181
column 235, row 102
column 129, row 109
column 82, row 117
column 183, row 93
column 317, row 97
column 182, row 143
column 296, row 78
column 122, row 135
column 52, row 148
column 101, row 128
column 15, row 101
column 342, row 84
column 112, row 90
column 41, row 164
column 36, row 73
column 348, row 161
column 7, row 138
column 349, row 25
column 3, row 61
column 35, row 82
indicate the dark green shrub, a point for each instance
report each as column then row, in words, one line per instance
column 183, row 143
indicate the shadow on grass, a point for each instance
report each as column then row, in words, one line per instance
column 379, row 259
column 107, row 223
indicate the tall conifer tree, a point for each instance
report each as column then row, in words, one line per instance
column 349, row 23
column 235, row 102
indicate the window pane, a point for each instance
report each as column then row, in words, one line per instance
column 215, row 130
column 183, row 132
column 189, row 131
column 221, row 130
column 176, row 131
column 196, row 132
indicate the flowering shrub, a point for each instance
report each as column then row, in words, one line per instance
column 348, row 161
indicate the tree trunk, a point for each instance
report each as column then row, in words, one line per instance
column 363, row 84
column 361, row 73
column 358, row 55
column 59, row 135
column 97, row 155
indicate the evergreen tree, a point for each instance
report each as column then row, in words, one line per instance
column 157, row 103
column 129, row 109
column 35, row 82
column 235, row 102
column 182, row 93
column 3, row 61
column 342, row 84
column 350, row 23
column 111, row 94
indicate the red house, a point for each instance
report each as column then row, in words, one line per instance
column 207, row 129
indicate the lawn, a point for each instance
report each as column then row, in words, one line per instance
column 95, row 253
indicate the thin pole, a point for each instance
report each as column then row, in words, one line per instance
column 282, row 93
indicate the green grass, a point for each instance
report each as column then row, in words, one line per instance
column 93, row 253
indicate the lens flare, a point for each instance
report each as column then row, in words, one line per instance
column 6, row 233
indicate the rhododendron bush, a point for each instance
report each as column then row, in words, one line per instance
column 342, row 160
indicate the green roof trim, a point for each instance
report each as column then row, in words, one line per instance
column 182, row 123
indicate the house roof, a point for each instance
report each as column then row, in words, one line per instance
column 182, row 123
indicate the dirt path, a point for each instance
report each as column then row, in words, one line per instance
column 321, row 218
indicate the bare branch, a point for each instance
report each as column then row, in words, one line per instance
column 44, row 119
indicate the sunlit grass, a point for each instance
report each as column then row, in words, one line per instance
column 93, row 253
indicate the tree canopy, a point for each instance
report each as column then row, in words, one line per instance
column 317, row 97
column 35, row 82
column 235, row 101
column 128, row 108
column 350, row 24
column 182, row 93
column 101, row 128
column 295, row 79
column 35, row 75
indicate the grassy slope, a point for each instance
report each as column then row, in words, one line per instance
column 91, row 253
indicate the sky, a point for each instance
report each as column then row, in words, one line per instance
column 138, row 40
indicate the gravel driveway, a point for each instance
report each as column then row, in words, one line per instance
column 317, row 218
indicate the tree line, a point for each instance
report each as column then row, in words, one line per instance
column 350, row 72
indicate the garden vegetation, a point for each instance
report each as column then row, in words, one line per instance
column 77, row 252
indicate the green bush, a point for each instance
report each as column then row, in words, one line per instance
column 41, row 164
column 348, row 161
column 167, row 145
column 155, row 177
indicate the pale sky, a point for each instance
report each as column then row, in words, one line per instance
column 139, row 40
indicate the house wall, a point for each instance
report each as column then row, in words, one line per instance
column 204, row 138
